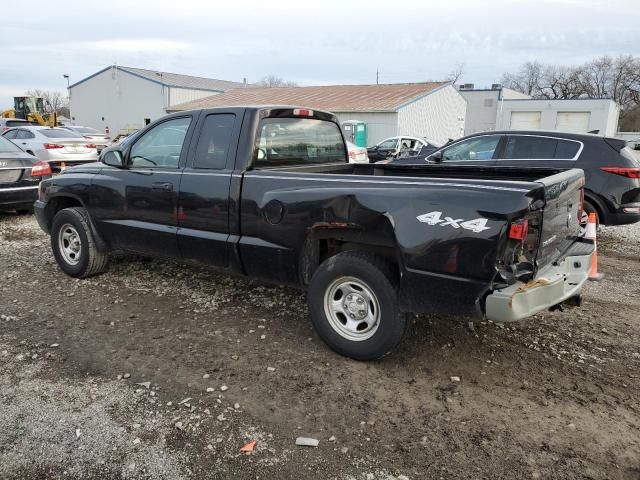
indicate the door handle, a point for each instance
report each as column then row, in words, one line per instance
column 164, row 186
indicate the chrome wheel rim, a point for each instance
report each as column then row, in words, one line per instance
column 352, row 309
column 69, row 244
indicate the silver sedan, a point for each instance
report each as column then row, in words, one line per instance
column 102, row 140
column 53, row 145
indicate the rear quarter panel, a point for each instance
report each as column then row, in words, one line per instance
column 378, row 212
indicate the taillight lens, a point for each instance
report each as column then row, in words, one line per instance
column 628, row 172
column 90, row 145
column 40, row 169
column 352, row 155
column 518, row 230
column 303, row 112
column 51, row 146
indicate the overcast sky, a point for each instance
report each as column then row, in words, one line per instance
column 309, row 42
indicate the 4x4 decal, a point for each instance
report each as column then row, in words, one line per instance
column 476, row 225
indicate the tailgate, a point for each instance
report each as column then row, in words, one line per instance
column 561, row 215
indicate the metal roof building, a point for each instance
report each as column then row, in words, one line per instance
column 434, row 110
column 126, row 98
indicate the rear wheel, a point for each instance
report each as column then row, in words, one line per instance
column 74, row 247
column 354, row 306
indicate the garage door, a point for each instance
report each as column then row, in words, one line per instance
column 525, row 120
column 573, row 122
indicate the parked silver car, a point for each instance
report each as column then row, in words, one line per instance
column 53, row 145
column 7, row 123
column 101, row 139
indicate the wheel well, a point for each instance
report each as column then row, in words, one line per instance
column 600, row 210
column 54, row 205
column 317, row 250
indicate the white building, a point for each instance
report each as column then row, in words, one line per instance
column 571, row 115
column 434, row 110
column 499, row 108
column 126, row 98
column 483, row 104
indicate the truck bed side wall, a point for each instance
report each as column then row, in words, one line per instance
column 281, row 210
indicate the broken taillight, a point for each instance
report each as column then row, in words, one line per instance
column 518, row 230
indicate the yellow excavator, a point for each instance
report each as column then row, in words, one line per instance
column 32, row 110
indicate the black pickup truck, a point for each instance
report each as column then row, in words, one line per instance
column 267, row 192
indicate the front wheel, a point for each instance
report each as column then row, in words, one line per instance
column 74, row 247
column 354, row 306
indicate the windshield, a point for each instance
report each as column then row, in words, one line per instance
column 6, row 146
column 57, row 133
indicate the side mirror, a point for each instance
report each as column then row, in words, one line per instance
column 436, row 157
column 113, row 158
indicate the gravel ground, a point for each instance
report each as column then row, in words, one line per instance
column 157, row 370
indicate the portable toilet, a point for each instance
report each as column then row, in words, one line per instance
column 356, row 132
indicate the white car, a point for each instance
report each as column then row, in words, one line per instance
column 357, row 154
column 102, row 140
column 402, row 145
column 53, row 145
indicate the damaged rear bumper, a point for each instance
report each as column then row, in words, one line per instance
column 553, row 284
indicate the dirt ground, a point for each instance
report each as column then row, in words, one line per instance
column 157, row 370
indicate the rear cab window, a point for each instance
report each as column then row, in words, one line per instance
column 298, row 141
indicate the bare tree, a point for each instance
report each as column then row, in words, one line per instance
column 527, row 80
column 273, row 81
column 456, row 74
column 561, row 82
column 53, row 101
column 604, row 77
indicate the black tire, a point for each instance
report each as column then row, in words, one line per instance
column 590, row 208
column 381, row 278
column 89, row 261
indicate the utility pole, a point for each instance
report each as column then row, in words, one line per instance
column 377, row 77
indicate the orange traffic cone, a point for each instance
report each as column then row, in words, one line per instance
column 591, row 235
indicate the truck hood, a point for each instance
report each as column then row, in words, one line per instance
column 93, row 167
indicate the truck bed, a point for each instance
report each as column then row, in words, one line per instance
column 512, row 175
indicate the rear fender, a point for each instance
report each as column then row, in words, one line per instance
column 325, row 239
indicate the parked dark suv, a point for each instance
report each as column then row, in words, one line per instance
column 612, row 169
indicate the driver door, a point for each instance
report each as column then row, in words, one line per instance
column 147, row 221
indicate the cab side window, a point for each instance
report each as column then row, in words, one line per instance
column 476, row 148
column 213, row 145
column 161, row 146
column 11, row 134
